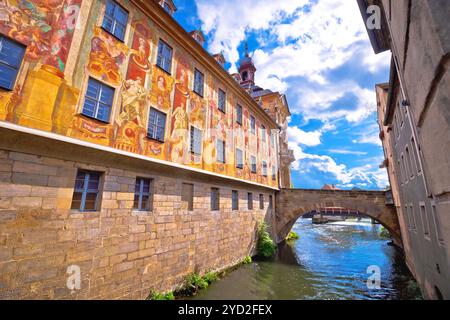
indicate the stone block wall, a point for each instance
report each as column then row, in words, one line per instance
column 121, row 253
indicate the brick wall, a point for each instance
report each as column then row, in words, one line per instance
column 121, row 253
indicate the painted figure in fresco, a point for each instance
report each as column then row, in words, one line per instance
column 130, row 130
column 139, row 65
column 179, row 121
column 107, row 54
column 179, row 135
column 161, row 89
column 197, row 113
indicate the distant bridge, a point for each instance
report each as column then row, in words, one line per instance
column 294, row 203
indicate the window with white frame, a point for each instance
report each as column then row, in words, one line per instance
column 164, row 57
column 115, row 19
column 98, row 100
column 196, row 141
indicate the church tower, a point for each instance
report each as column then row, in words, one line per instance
column 247, row 70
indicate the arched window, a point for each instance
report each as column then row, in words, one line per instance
column 244, row 76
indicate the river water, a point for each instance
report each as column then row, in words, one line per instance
column 329, row 261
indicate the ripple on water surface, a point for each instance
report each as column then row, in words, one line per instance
column 328, row 262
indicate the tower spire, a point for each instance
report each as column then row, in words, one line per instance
column 246, row 48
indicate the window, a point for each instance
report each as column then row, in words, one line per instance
column 187, row 195
column 424, row 219
column 264, row 168
column 196, row 140
column 156, row 125
column 198, row 82
column 261, row 201
column 405, row 168
column 86, row 191
column 164, row 58
column 416, row 155
column 413, row 217
column 253, row 164
column 274, row 173
column 11, row 55
column 239, row 114
column 437, row 225
column 235, row 200
column 270, row 202
column 115, row 19
column 409, row 163
column 222, row 100
column 142, row 194
column 263, row 133
column 250, row 201
column 215, row 202
column 252, row 124
column 400, row 169
column 98, row 101
column 220, row 146
column 239, row 159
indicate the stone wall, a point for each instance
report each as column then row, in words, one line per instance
column 121, row 253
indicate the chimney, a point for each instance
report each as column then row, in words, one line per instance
column 198, row 36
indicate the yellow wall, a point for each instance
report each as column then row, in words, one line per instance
column 48, row 96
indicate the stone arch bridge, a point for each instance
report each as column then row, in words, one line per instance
column 294, row 203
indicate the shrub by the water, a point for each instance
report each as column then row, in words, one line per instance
column 162, row 296
column 292, row 236
column 247, row 260
column 384, row 233
column 266, row 247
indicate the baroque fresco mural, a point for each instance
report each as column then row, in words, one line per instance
column 46, row 27
column 45, row 99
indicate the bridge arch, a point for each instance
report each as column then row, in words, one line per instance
column 294, row 203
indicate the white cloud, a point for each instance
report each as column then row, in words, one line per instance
column 229, row 20
column 369, row 136
column 345, row 151
column 308, row 138
column 322, row 102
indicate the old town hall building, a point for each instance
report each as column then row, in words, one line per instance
column 127, row 152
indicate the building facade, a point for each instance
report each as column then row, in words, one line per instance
column 413, row 111
column 128, row 155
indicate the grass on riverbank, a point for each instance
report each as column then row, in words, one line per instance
column 193, row 283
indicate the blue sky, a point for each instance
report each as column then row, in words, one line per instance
column 317, row 52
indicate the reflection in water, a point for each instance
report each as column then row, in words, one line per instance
column 327, row 262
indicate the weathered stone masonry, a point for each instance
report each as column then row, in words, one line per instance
column 122, row 253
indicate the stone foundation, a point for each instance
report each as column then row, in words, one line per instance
column 121, row 253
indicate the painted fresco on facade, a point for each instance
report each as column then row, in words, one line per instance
column 139, row 65
column 129, row 67
column 46, row 27
column 106, row 57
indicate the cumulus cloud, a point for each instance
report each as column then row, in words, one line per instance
column 228, row 30
column 330, row 101
column 365, row 174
